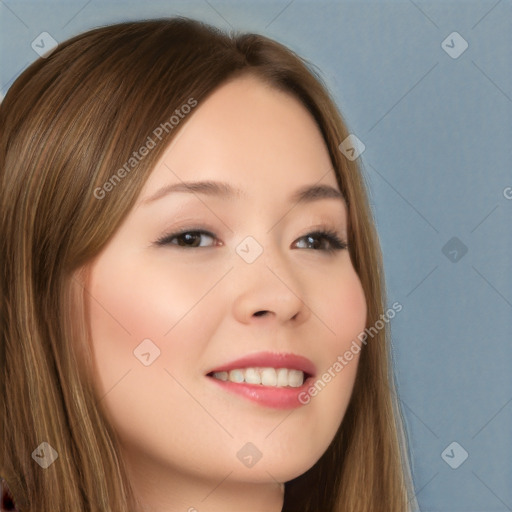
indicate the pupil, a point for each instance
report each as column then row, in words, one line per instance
column 313, row 241
column 191, row 237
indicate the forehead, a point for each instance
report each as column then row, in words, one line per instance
column 246, row 133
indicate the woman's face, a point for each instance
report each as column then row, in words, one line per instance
column 164, row 315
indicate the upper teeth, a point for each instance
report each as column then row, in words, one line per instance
column 266, row 376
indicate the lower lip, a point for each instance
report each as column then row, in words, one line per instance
column 267, row 396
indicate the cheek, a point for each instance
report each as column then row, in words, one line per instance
column 346, row 307
column 130, row 300
column 345, row 312
column 130, row 304
column 129, row 307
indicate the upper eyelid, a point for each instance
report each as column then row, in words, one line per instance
column 319, row 225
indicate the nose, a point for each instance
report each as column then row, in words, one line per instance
column 269, row 290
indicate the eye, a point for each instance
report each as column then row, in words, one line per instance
column 325, row 240
column 186, row 238
column 334, row 242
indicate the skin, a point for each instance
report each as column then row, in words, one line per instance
column 180, row 433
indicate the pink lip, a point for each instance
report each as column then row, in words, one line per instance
column 268, row 396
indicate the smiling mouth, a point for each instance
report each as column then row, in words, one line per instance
column 264, row 376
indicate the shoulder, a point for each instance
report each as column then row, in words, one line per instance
column 6, row 499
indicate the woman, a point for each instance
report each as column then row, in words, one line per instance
column 190, row 274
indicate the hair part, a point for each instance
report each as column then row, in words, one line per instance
column 70, row 121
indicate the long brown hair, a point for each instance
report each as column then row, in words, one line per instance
column 69, row 122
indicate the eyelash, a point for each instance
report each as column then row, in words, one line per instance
column 337, row 244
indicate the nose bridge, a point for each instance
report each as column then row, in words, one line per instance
column 260, row 232
column 263, row 250
column 267, row 282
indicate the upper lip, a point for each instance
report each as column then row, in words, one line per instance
column 270, row 360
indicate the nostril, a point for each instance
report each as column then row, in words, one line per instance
column 260, row 313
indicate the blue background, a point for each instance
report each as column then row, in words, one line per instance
column 438, row 137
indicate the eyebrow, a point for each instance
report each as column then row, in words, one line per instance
column 306, row 194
